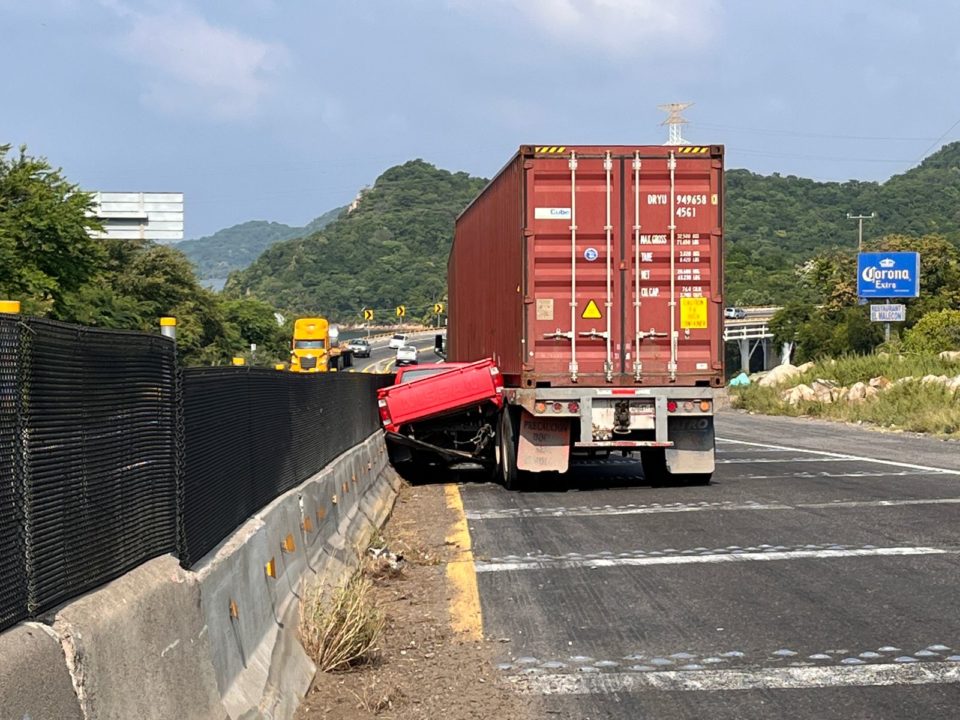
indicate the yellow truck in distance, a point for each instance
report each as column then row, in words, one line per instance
column 310, row 350
column 315, row 347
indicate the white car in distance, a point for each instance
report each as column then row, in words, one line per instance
column 408, row 355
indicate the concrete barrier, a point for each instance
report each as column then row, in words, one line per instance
column 219, row 641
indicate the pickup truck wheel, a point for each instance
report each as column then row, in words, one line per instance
column 507, row 452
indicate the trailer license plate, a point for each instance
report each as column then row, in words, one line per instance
column 544, row 444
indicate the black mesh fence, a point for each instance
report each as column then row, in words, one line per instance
column 100, row 482
column 251, row 434
column 111, row 455
column 13, row 577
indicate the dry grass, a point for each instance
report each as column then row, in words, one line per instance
column 911, row 406
column 343, row 631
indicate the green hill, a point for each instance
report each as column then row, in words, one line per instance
column 234, row 248
column 774, row 223
column 391, row 249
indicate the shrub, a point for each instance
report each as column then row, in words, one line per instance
column 935, row 332
column 341, row 632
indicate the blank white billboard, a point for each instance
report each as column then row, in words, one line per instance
column 140, row 215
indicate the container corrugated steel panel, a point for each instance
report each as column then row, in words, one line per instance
column 635, row 241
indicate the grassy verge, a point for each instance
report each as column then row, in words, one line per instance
column 910, row 406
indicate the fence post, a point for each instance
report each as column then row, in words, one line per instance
column 168, row 327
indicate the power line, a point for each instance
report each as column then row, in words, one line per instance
column 936, row 142
column 794, row 133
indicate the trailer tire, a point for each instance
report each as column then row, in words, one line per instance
column 507, row 452
column 654, row 464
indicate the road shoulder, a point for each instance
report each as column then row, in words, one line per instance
column 427, row 669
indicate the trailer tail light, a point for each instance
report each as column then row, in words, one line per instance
column 704, row 406
column 558, row 407
column 688, row 406
column 671, row 405
column 540, row 407
column 384, row 413
column 573, row 407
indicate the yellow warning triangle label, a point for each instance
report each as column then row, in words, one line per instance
column 591, row 311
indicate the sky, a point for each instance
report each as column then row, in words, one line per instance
column 283, row 109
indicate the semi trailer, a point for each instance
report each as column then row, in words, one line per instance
column 592, row 275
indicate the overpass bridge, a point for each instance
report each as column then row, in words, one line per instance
column 752, row 332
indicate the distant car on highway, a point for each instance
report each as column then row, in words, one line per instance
column 734, row 313
column 360, row 347
column 408, row 355
column 397, row 341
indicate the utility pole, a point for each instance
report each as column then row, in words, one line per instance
column 860, row 219
column 675, row 122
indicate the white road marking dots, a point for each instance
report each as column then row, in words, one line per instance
column 767, row 554
column 607, row 510
column 747, row 679
column 751, row 461
column 841, row 456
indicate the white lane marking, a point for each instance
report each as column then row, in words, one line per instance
column 562, row 512
column 879, row 503
column 804, row 475
column 844, row 456
column 751, row 461
column 545, row 564
column 760, row 678
column 588, row 512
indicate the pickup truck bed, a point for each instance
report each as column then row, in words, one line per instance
column 459, row 388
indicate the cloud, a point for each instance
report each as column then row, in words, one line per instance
column 615, row 27
column 192, row 65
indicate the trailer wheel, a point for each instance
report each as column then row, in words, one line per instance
column 654, row 466
column 507, row 452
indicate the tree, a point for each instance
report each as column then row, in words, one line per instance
column 46, row 249
column 934, row 332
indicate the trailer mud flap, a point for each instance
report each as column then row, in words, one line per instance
column 693, row 446
column 544, row 444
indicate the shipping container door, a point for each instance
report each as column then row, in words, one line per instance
column 678, row 342
column 573, row 221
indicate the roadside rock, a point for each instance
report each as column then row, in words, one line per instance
column 857, row 392
column 880, row 382
column 798, row 394
column 825, row 391
column 779, row 375
column 806, row 366
column 950, row 355
column 935, row 380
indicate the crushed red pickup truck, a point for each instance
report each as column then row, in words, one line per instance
column 443, row 413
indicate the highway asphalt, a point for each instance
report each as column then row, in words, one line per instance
column 383, row 358
column 817, row 577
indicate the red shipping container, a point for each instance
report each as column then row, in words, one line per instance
column 594, row 266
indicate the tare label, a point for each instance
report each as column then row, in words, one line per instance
column 552, row 213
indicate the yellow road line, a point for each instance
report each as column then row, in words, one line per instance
column 465, row 614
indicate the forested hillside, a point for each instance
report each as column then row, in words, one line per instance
column 774, row 223
column 234, row 248
column 391, row 249
column 394, row 247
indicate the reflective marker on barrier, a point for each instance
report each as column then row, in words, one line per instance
column 289, row 545
column 307, row 524
column 271, row 568
column 234, row 610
